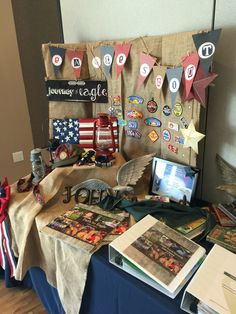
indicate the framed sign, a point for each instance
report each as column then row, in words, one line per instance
column 80, row 91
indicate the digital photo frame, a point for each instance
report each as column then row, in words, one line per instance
column 175, row 180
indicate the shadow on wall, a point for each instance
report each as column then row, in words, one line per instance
column 221, row 122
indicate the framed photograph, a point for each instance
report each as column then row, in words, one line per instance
column 174, row 180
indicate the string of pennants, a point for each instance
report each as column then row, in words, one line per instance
column 194, row 72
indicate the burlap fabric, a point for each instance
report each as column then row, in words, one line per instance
column 169, row 50
column 59, row 259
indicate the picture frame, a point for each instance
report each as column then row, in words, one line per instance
column 174, row 180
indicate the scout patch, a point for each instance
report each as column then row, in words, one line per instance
column 178, row 109
column 153, row 136
column 152, row 122
column 166, row 135
column 152, row 106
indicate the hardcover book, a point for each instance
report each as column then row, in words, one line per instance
column 193, row 228
column 229, row 210
column 157, row 255
column 213, row 287
column 223, row 219
column 224, row 236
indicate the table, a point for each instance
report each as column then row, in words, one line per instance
column 47, row 259
column 108, row 290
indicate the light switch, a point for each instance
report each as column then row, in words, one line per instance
column 18, row 156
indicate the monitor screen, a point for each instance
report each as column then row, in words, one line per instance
column 174, row 180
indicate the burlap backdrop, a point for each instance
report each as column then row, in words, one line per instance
column 169, row 50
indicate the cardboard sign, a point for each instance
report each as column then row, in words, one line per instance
column 81, row 91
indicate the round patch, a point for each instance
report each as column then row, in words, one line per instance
column 57, row 60
column 96, row 62
column 174, row 85
column 159, row 81
column 120, row 59
column 76, row 63
column 107, row 59
column 152, row 106
column 144, row 70
column 206, row 50
column 166, row 135
column 166, row 110
column 178, row 110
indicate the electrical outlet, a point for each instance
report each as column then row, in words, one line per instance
column 18, row 156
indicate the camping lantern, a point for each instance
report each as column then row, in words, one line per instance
column 103, row 140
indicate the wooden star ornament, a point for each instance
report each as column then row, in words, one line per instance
column 191, row 137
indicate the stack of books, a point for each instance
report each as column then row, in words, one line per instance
column 224, row 233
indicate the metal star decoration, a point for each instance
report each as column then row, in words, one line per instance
column 191, row 137
column 200, row 87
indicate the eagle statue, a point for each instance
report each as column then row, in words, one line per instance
column 228, row 175
column 127, row 175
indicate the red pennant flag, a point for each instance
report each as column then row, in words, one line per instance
column 190, row 64
column 121, row 55
column 146, row 64
column 76, row 59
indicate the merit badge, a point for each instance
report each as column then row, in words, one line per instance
column 153, row 136
column 135, row 100
column 133, row 133
column 111, row 111
column 133, row 113
column 166, row 110
column 152, row 122
column 122, row 122
column 132, row 124
column 152, row 106
column 118, row 112
column 173, row 126
column 166, row 135
column 185, row 123
column 116, row 101
column 178, row 110
column 173, row 148
column 179, row 140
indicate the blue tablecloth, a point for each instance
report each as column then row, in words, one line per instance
column 108, row 290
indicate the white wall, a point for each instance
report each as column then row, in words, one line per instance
column 116, row 19
column 85, row 20
column 221, row 126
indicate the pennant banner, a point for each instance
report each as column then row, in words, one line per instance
column 81, row 91
column 107, row 53
column 174, row 78
column 76, row 59
column 159, row 76
column 205, row 44
column 121, row 55
column 190, row 64
column 57, row 55
column 146, row 64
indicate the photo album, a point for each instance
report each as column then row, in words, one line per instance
column 156, row 254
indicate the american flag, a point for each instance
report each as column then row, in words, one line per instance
column 82, row 130
column 66, row 130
